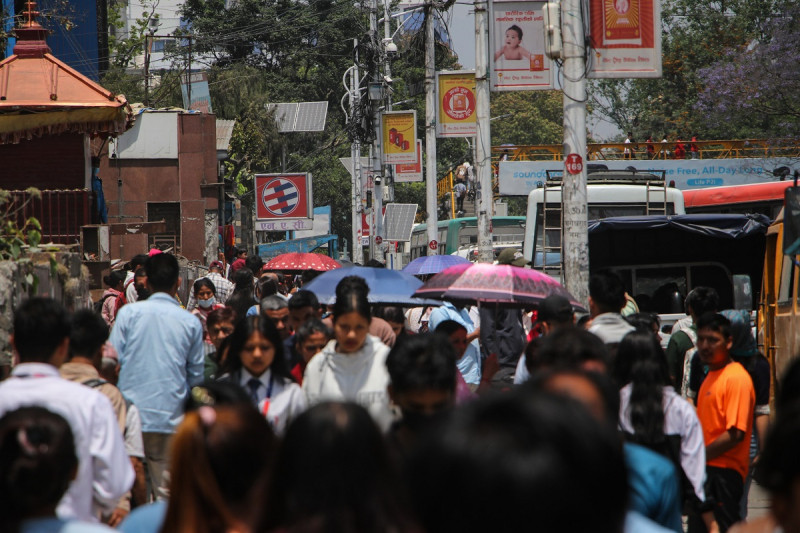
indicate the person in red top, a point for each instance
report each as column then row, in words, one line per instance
column 239, row 262
column 309, row 339
column 680, row 150
column 725, row 406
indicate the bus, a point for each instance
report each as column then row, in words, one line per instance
column 460, row 234
column 609, row 194
column 752, row 198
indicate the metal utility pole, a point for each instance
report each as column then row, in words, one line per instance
column 575, row 236
column 483, row 141
column 430, row 133
column 355, row 154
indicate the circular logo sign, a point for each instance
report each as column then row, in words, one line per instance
column 280, row 197
column 459, row 103
column 433, row 245
column 378, row 239
column 622, row 6
column 574, row 164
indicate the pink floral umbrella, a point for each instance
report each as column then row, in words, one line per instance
column 302, row 261
column 500, row 284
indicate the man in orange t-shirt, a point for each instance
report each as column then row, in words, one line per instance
column 725, row 406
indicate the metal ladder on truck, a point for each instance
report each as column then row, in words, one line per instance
column 655, row 188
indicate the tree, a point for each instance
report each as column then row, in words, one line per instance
column 756, row 88
column 696, row 33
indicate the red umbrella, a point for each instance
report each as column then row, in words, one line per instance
column 483, row 282
column 302, row 261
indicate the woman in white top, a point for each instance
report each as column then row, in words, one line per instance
column 256, row 362
column 352, row 366
column 652, row 414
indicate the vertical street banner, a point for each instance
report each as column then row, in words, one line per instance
column 284, row 202
column 625, row 39
column 201, row 98
column 399, row 132
column 455, row 113
column 516, row 43
column 409, row 173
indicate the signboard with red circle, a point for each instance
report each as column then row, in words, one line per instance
column 378, row 239
column 574, row 164
column 455, row 112
column 433, row 245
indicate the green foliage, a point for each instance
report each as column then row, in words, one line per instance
column 527, row 117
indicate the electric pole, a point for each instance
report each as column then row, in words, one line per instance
column 430, row 132
column 575, row 236
column 483, row 141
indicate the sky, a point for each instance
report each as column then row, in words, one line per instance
column 462, row 32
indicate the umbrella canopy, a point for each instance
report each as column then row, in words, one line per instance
column 433, row 264
column 302, row 261
column 386, row 286
column 483, row 282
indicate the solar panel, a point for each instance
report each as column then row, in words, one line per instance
column 285, row 116
column 311, row 116
column 302, row 116
column 399, row 221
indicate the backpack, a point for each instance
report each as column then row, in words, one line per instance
column 121, row 299
column 98, row 305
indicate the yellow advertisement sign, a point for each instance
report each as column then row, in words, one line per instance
column 399, row 132
column 456, row 115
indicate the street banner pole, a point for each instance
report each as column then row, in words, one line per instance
column 483, row 141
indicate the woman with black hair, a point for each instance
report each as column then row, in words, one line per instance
column 653, row 415
column 352, row 366
column 38, row 462
column 242, row 297
column 255, row 361
column 333, row 473
column 205, row 293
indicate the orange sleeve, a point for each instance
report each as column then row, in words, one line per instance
column 740, row 401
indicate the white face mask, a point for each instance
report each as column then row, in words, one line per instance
column 206, row 304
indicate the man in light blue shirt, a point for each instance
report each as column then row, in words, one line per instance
column 160, row 350
column 470, row 364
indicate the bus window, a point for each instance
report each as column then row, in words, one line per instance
column 665, row 288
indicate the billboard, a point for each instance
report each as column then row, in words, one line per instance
column 399, row 132
column 455, row 112
column 284, row 202
column 516, row 42
column 201, row 98
column 409, row 173
column 518, row 178
column 625, row 39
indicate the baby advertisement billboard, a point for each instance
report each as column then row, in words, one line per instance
column 516, row 40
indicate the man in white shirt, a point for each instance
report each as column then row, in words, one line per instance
column 104, row 471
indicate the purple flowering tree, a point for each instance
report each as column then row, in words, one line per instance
column 755, row 89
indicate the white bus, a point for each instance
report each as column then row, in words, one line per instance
column 609, row 194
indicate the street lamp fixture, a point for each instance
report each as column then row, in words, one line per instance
column 376, row 91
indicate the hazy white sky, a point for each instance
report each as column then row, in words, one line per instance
column 462, row 32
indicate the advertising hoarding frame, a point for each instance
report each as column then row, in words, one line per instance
column 528, row 16
column 399, row 136
column 624, row 50
column 462, row 92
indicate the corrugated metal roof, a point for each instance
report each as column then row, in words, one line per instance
column 224, row 132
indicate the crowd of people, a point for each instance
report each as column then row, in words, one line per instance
column 256, row 409
column 681, row 149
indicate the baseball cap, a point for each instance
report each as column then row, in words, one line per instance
column 556, row 308
column 215, row 264
column 511, row 256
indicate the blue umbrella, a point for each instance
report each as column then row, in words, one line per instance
column 433, row 264
column 386, row 286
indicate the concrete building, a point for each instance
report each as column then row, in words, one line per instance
column 165, row 168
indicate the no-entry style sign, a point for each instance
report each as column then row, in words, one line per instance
column 433, row 245
column 378, row 239
column 574, row 164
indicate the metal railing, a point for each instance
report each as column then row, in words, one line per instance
column 61, row 213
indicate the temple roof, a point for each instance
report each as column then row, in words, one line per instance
column 40, row 95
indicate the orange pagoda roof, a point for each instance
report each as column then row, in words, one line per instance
column 40, row 95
